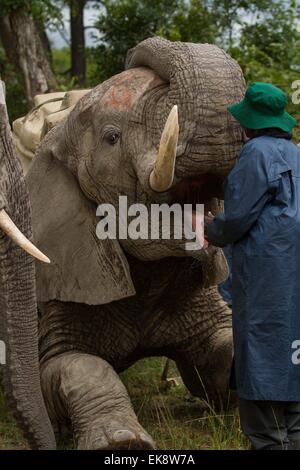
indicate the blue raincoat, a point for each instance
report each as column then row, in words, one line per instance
column 262, row 220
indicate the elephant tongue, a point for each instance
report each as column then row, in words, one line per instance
column 198, row 190
column 198, row 228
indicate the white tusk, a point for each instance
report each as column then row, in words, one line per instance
column 12, row 231
column 161, row 177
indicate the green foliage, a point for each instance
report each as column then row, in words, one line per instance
column 231, row 14
column 268, row 49
column 275, row 34
column 8, row 5
column 42, row 11
column 193, row 23
column 263, row 35
column 10, row 436
column 61, row 63
column 15, row 95
column 124, row 23
column 174, row 418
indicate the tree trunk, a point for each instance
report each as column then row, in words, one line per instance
column 44, row 40
column 23, row 47
column 18, row 308
column 78, row 67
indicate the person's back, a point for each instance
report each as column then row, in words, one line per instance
column 261, row 220
column 279, row 221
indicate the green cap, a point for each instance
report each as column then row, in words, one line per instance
column 263, row 106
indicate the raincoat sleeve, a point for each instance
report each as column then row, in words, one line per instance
column 246, row 193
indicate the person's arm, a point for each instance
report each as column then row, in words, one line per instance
column 246, row 194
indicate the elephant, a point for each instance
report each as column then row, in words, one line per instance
column 18, row 305
column 157, row 133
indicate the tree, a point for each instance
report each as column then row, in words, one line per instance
column 23, row 46
column 275, row 34
column 124, row 23
column 268, row 48
column 229, row 15
column 78, row 60
column 194, row 22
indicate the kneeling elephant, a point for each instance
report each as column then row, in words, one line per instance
column 105, row 303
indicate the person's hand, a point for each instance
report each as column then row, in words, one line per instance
column 207, row 220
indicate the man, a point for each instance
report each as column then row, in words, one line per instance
column 261, row 220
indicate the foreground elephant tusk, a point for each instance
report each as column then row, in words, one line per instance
column 162, row 175
column 12, row 231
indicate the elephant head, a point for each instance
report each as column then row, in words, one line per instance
column 18, row 309
column 109, row 145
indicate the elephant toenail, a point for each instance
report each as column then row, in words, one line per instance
column 123, row 435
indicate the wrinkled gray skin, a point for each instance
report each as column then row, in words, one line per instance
column 106, row 304
column 18, row 309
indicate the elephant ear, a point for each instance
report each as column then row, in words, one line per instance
column 83, row 268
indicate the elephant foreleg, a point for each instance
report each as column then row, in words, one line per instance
column 87, row 391
column 204, row 361
column 206, row 374
column 195, row 331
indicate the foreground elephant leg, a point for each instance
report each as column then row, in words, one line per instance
column 205, row 360
column 86, row 390
column 207, row 375
column 193, row 328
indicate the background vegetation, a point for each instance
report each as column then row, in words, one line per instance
column 263, row 36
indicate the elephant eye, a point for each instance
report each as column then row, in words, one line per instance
column 112, row 137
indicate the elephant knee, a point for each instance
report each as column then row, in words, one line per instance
column 75, row 383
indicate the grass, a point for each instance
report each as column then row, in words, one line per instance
column 10, row 436
column 168, row 412
column 174, row 418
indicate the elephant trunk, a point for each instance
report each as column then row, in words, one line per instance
column 202, row 80
column 18, row 308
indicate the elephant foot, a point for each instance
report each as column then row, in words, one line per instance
column 117, row 435
column 85, row 390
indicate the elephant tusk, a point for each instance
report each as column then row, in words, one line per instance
column 161, row 177
column 12, row 231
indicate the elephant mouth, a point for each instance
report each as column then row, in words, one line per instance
column 200, row 189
